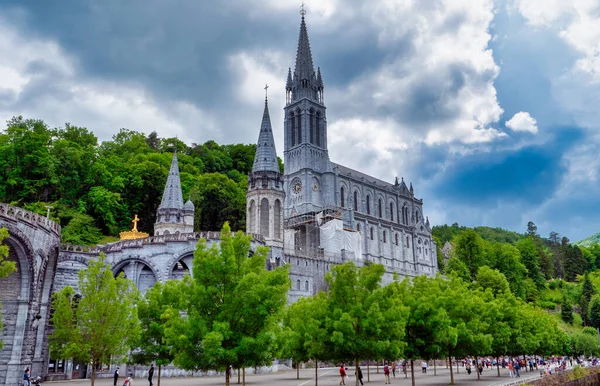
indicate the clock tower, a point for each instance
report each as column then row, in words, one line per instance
column 308, row 171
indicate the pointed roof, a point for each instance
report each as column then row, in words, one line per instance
column 288, row 83
column 265, row 158
column 172, row 197
column 304, row 64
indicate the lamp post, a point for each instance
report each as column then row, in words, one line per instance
column 48, row 207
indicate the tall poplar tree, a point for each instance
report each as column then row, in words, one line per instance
column 98, row 323
column 228, row 308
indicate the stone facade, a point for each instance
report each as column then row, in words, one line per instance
column 25, row 294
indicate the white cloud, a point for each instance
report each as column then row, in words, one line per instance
column 576, row 21
column 40, row 80
column 522, row 121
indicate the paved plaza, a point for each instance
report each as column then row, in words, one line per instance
column 329, row 376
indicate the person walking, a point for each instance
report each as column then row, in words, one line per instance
column 151, row 374
column 116, row 376
column 510, row 369
column 342, row 374
column 394, row 369
column 359, row 376
column 386, row 374
column 26, row 378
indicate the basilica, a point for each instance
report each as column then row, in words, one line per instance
column 313, row 216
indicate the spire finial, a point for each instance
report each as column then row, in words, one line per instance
column 302, row 10
column 266, row 89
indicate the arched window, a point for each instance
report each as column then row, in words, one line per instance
column 264, row 217
column 368, row 204
column 380, row 209
column 277, row 219
column 342, row 201
column 407, row 242
column 311, row 118
column 306, row 285
column 355, row 201
column 252, row 217
column 391, row 211
column 371, row 233
column 299, row 126
column 417, row 215
column 396, row 238
column 384, row 237
column 318, row 129
column 358, row 227
column 298, row 284
column 293, row 123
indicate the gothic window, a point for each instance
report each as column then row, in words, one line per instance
column 342, row 201
column 371, row 233
column 318, row 129
column 407, row 242
column 355, row 201
column 293, row 123
column 417, row 216
column 391, row 211
column 368, row 204
column 311, row 118
column 277, row 219
column 306, row 285
column 384, row 236
column 298, row 284
column 358, row 227
column 396, row 238
column 264, row 217
column 252, row 217
column 299, row 126
column 380, row 209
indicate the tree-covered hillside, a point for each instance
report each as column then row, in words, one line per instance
column 590, row 240
column 552, row 273
column 96, row 188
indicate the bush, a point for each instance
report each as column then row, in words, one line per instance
column 546, row 304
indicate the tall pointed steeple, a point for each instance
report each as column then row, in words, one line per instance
column 173, row 217
column 172, row 197
column 305, row 78
column 265, row 158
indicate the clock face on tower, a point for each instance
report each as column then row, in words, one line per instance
column 297, row 186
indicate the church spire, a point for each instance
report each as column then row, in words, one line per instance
column 172, row 197
column 265, row 158
column 305, row 79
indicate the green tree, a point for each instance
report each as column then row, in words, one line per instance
column 99, row 324
column 594, row 312
column 365, row 320
column 566, row 311
column 529, row 257
column 470, row 248
column 81, row 230
column 587, row 291
column 493, row 280
column 574, row 262
column 305, row 335
column 6, row 267
column 428, row 328
column 151, row 346
column 229, row 308
column 456, row 267
column 506, row 258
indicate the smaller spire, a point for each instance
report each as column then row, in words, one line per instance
column 288, row 84
column 319, row 79
column 412, row 191
column 172, row 197
column 427, row 222
column 396, row 183
column 265, row 158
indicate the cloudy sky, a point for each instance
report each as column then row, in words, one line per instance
column 490, row 108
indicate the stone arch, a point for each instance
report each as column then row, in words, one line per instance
column 144, row 277
column 18, row 290
column 181, row 267
column 264, row 217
